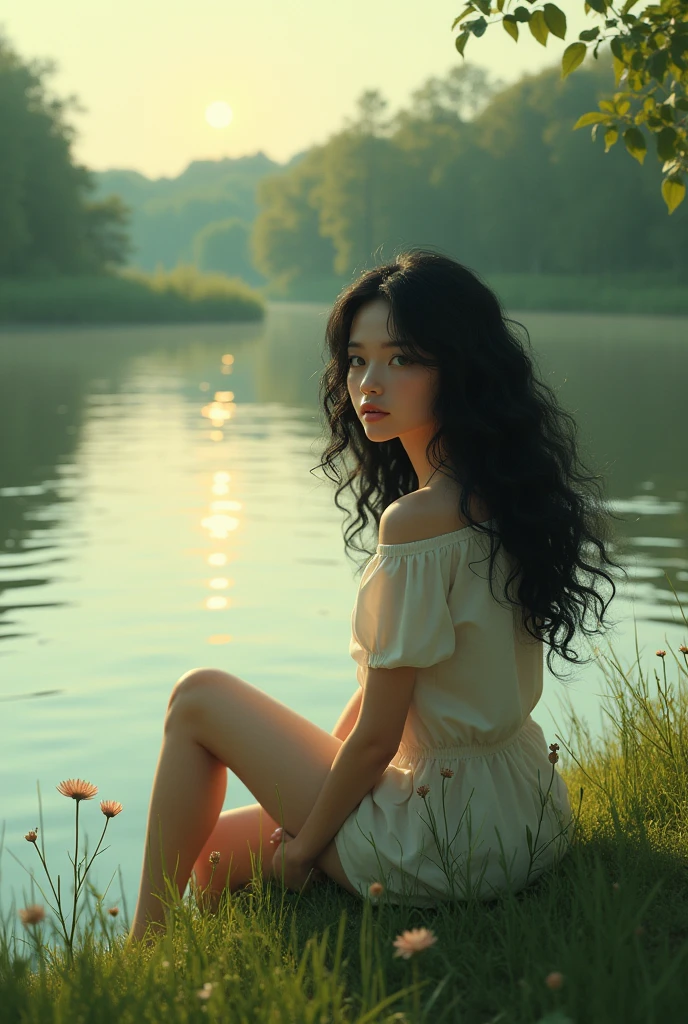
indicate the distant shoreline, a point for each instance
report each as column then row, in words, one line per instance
column 185, row 296
column 634, row 292
column 182, row 295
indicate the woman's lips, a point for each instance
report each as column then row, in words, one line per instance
column 374, row 415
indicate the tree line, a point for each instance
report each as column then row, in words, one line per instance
column 512, row 189
column 494, row 175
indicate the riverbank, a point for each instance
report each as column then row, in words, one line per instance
column 601, row 937
column 562, row 293
column 182, row 295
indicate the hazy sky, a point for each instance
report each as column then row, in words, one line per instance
column 146, row 71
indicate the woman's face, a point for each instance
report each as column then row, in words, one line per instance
column 387, row 379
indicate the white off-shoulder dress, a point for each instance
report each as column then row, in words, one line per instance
column 428, row 604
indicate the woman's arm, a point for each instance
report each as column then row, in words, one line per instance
column 349, row 716
column 357, row 768
column 361, row 760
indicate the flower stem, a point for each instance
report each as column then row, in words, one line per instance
column 55, row 894
column 416, row 993
column 102, row 836
column 76, row 887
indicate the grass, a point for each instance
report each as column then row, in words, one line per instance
column 601, row 937
column 182, row 295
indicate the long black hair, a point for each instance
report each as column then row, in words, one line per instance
column 502, row 429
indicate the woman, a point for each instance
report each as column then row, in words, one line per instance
column 470, row 460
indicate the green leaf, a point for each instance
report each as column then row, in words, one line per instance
column 529, row 839
column 635, row 143
column 511, row 26
column 673, row 191
column 538, row 27
column 461, row 41
column 522, row 14
column 610, row 137
column 619, row 68
column 657, row 64
column 464, row 14
column 572, row 56
column 556, row 20
column 589, row 34
column 478, row 27
column 594, row 117
column 666, row 143
column 598, row 5
column 617, row 48
column 679, row 45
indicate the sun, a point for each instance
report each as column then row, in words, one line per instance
column 218, row 114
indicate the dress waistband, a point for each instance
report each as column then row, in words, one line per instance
column 478, row 750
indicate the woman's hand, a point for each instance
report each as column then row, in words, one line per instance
column 298, row 875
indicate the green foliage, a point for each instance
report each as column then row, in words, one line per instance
column 223, row 246
column 512, row 191
column 288, row 242
column 645, row 48
column 182, row 295
column 47, row 223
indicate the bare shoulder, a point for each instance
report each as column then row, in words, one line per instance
column 426, row 513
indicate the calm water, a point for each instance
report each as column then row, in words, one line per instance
column 158, row 513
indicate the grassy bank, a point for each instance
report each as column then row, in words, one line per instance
column 577, row 293
column 602, row 938
column 182, row 295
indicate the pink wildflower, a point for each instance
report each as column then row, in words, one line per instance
column 413, row 941
column 77, row 789
column 32, row 914
column 110, row 808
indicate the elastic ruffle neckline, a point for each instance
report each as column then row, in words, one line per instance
column 428, row 543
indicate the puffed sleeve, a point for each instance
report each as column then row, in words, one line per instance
column 401, row 616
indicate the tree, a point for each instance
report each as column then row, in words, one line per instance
column 646, row 49
column 47, row 223
column 105, row 234
column 464, row 93
column 222, row 246
column 286, row 244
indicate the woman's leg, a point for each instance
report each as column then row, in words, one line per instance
column 240, row 835
column 216, row 721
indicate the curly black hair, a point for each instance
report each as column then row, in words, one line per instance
column 502, row 429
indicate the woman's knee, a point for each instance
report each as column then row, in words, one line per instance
column 190, row 687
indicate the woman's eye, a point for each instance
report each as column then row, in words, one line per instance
column 398, row 356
